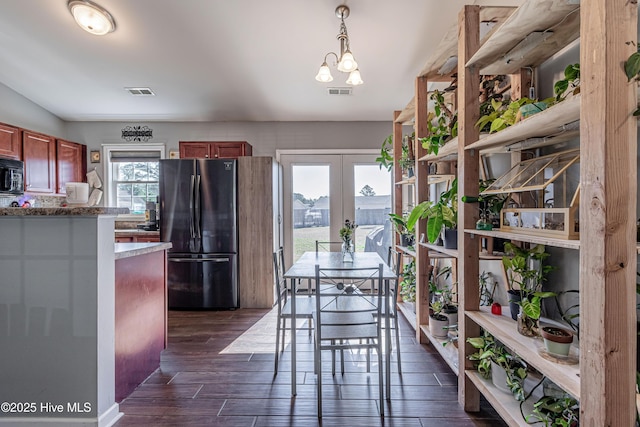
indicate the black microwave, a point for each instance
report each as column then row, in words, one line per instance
column 11, row 176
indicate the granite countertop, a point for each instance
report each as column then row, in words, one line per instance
column 121, row 231
column 75, row 211
column 126, row 250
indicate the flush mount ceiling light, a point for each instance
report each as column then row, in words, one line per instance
column 91, row 17
column 345, row 62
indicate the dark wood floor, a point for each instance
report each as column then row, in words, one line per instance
column 213, row 375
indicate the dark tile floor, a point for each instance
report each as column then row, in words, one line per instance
column 217, row 370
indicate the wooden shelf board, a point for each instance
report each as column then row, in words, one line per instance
column 407, row 115
column 449, row 352
column 435, row 179
column 448, row 46
column 453, row 253
column 559, row 17
column 503, row 403
column 411, row 180
column 406, row 250
column 408, row 314
column 503, row 328
column 450, row 149
column 549, row 241
column 547, row 122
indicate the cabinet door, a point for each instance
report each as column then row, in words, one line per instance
column 71, row 164
column 194, row 150
column 39, row 162
column 230, row 150
column 10, row 143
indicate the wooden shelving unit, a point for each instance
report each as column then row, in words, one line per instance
column 453, row 253
column 449, row 352
column 601, row 117
column 407, row 313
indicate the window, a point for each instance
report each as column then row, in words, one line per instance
column 132, row 175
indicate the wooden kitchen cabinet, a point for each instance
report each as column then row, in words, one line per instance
column 71, row 163
column 214, row 150
column 10, row 143
column 39, row 155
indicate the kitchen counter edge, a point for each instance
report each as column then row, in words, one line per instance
column 76, row 211
column 126, row 250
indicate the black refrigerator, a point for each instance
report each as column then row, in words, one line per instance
column 199, row 216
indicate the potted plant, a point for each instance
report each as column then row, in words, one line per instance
column 442, row 124
column 442, row 213
column 507, row 372
column 490, row 206
column 385, row 160
column 554, row 411
column 570, row 85
column 557, row 340
column 408, row 282
column 438, row 322
column 406, row 233
column 525, row 274
column 501, row 114
column 407, row 159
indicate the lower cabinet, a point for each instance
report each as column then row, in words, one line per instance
column 136, row 238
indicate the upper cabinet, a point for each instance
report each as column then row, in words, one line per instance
column 39, row 155
column 10, row 143
column 71, row 163
column 214, row 150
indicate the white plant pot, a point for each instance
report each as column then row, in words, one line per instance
column 438, row 328
column 499, row 377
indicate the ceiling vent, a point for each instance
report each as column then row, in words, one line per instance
column 339, row 91
column 140, row 91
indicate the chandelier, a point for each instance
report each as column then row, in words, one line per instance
column 345, row 62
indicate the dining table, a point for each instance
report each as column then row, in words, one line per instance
column 305, row 268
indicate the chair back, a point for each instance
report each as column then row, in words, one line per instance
column 394, row 261
column 281, row 282
column 348, row 303
column 322, row 246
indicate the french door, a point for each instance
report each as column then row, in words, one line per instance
column 321, row 191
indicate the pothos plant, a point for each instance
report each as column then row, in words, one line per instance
column 569, row 85
column 491, row 350
column 442, row 124
column 408, row 282
column 632, row 70
column 444, row 212
column 501, row 114
column 556, row 411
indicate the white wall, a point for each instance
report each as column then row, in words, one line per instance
column 19, row 111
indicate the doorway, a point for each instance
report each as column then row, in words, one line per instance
column 321, row 191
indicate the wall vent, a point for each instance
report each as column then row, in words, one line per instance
column 339, row 90
column 140, row 91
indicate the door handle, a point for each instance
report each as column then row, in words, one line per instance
column 197, row 192
column 191, row 219
column 199, row 260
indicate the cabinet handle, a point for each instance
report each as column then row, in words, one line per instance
column 206, row 155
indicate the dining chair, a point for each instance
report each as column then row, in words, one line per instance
column 346, row 317
column 390, row 310
column 326, row 246
column 304, row 305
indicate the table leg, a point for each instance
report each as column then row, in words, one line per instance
column 293, row 337
column 387, row 330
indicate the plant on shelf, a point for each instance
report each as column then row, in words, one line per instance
column 408, row 282
column 563, row 411
column 442, row 213
column 569, row 85
column 385, row 160
column 492, row 355
column 406, row 233
column 490, row 206
column 442, row 124
column 501, row 114
column 526, row 273
column 632, row 70
column 407, row 159
column 486, row 296
column 438, row 322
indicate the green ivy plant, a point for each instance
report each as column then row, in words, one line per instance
column 632, row 70
column 442, row 125
column 556, row 411
column 501, row 114
column 569, row 85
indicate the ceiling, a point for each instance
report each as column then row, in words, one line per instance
column 220, row 60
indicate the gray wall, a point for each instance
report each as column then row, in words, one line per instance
column 19, row 111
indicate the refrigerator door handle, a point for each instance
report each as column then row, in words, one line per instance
column 197, row 220
column 199, row 259
column 191, row 228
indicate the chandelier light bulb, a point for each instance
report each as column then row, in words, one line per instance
column 91, row 17
column 347, row 63
column 324, row 74
column 354, row 78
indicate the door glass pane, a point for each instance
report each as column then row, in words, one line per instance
column 372, row 187
column 310, row 207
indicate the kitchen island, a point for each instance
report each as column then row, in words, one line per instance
column 58, row 315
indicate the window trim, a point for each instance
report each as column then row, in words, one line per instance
column 109, row 189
